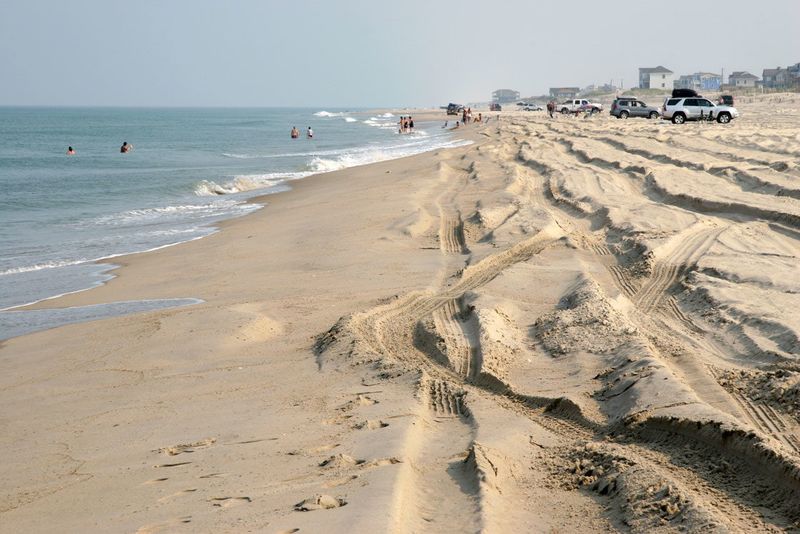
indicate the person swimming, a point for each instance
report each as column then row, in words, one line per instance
column 310, row 133
column 295, row 132
column 125, row 148
column 70, row 151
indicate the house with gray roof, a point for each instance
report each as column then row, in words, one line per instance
column 656, row 78
column 742, row 80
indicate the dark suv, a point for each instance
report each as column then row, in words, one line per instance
column 454, row 109
column 625, row 107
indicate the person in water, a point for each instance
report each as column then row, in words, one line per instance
column 310, row 133
column 70, row 151
column 295, row 132
column 125, row 148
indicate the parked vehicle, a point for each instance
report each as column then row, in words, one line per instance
column 578, row 104
column 622, row 108
column 454, row 109
column 680, row 110
column 533, row 108
column 726, row 100
column 495, row 107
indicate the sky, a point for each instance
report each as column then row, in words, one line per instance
column 368, row 53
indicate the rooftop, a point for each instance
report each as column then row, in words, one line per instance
column 743, row 74
column 659, row 69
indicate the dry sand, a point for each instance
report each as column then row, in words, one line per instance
column 577, row 325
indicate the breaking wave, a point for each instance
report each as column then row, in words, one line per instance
column 249, row 182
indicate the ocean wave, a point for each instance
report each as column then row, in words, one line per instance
column 387, row 115
column 328, row 114
column 249, row 182
column 163, row 213
column 350, row 119
column 377, row 154
column 284, row 155
column 40, row 266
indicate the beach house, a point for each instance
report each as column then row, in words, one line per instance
column 775, row 78
column 742, row 80
column 699, row 81
column 656, row 78
column 503, row 96
column 560, row 93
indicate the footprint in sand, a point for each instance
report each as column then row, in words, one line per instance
column 214, row 475
column 319, row 502
column 178, row 464
column 340, row 461
column 360, row 400
column 227, row 502
column 187, row 447
column 372, row 424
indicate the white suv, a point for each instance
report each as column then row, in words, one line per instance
column 680, row 110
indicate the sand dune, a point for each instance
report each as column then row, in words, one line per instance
column 572, row 325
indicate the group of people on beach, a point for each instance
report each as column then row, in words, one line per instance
column 295, row 134
column 466, row 118
column 124, row 149
column 406, row 125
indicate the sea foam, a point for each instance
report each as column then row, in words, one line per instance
column 249, row 182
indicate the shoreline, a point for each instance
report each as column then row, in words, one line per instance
column 260, row 200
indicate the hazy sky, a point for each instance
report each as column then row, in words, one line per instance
column 367, row 53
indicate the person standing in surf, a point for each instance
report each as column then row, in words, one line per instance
column 295, row 132
column 70, row 151
column 310, row 133
column 125, row 148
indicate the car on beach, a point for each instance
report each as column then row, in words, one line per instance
column 533, row 108
column 680, row 110
column 579, row 104
column 622, row 108
column 454, row 109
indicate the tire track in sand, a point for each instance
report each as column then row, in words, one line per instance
column 693, row 243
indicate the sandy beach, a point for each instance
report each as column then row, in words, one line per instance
column 570, row 325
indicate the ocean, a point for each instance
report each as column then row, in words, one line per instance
column 189, row 169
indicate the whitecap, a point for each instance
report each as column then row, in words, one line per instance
column 248, row 182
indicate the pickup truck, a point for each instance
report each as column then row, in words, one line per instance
column 579, row 104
